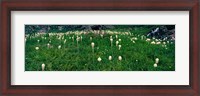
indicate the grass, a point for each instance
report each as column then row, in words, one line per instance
column 138, row 56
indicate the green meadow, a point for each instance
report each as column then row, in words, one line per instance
column 119, row 49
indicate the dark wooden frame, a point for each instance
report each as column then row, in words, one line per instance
column 98, row 5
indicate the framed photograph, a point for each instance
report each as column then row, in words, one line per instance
column 122, row 47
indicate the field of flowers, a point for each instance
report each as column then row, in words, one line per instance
column 98, row 51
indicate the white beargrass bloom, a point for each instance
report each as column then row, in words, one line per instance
column 153, row 42
column 92, row 44
column 90, row 38
column 65, row 41
column 48, row 45
column 111, row 40
column 81, row 38
column 59, row 38
column 120, row 40
column 99, row 59
column 158, row 43
column 59, row 46
column 157, row 40
column 77, row 39
column 133, row 41
column 110, row 58
column 116, row 36
column 38, row 41
column 155, row 65
column 37, row 48
column 43, row 67
column 101, row 35
column 148, row 39
column 120, row 46
column 120, row 58
column 167, row 41
column 157, row 60
column 117, row 42
column 164, row 43
column 135, row 38
column 110, row 37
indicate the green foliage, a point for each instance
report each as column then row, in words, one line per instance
column 138, row 56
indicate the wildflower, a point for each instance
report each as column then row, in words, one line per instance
column 43, row 67
column 59, row 46
column 59, row 38
column 133, row 41
column 99, row 59
column 153, row 42
column 167, row 41
column 111, row 40
column 120, row 40
column 157, row 60
column 38, row 41
column 90, row 38
column 48, row 45
column 77, row 39
column 110, row 37
column 148, row 39
column 65, row 41
column 92, row 44
column 155, row 65
column 120, row 58
column 117, row 42
column 157, row 40
column 120, row 47
column 37, row 48
column 81, row 38
column 50, row 41
column 116, row 36
column 135, row 38
column 101, row 35
column 110, row 58
column 158, row 43
column 73, row 38
column 164, row 43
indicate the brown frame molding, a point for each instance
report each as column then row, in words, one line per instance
column 98, row 5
